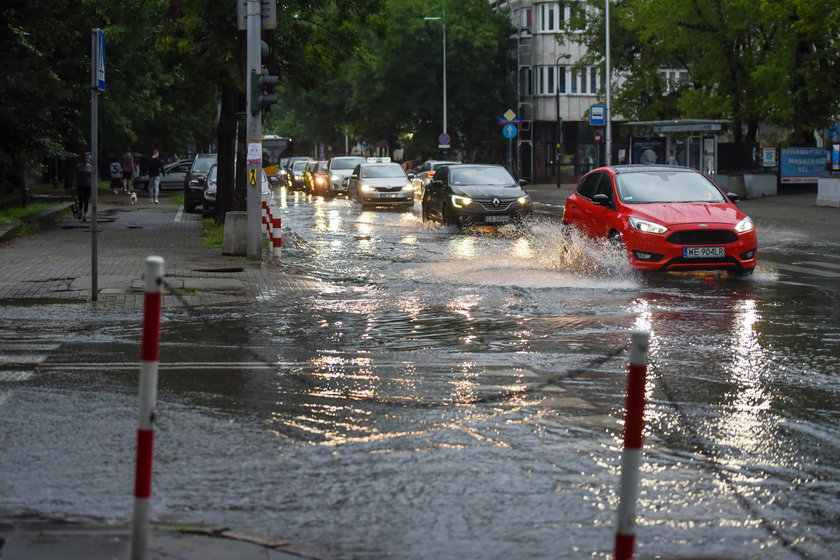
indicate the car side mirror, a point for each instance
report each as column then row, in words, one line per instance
column 354, row 176
column 733, row 197
column 522, row 182
column 410, row 176
column 601, row 199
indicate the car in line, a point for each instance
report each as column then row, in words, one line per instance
column 380, row 182
column 338, row 169
column 286, row 174
column 296, row 174
column 315, row 177
column 475, row 194
column 666, row 217
column 194, row 180
column 422, row 176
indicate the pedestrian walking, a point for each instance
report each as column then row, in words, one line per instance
column 116, row 175
column 127, row 163
column 155, row 166
column 671, row 159
column 83, row 185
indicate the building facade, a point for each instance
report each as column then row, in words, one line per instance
column 554, row 93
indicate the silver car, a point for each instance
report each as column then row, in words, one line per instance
column 380, row 184
column 339, row 168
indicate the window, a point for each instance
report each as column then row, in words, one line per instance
column 548, row 17
column 525, row 19
column 587, row 80
column 673, row 79
column 561, row 79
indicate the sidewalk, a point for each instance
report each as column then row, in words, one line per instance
column 55, row 265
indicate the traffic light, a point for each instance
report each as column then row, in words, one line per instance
column 262, row 90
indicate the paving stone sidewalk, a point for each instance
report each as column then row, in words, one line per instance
column 54, row 265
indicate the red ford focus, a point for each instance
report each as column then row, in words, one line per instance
column 667, row 217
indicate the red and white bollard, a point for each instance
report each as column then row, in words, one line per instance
column 631, row 457
column 152, row 304
column 275, row 236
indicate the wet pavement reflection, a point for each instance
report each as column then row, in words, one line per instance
column 456, row 394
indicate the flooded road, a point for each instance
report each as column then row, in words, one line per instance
column 452, row 394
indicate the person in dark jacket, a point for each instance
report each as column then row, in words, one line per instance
column 83, row 185
column 155, row 166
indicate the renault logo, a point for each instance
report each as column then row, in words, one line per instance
column 496, row 203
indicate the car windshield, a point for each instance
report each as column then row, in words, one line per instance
column 481, row 176
column 437, row 164
column 202, row 164
column 663, row 186
column 382, row 171
column 299, row 165
column 346, row 163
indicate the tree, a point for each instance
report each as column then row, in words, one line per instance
column 751, row 62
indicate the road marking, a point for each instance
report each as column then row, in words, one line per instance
column 805, row 270
column 822, row 264
column 16, row 376
column 22, row 359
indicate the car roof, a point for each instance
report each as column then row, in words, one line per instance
column 639, row 168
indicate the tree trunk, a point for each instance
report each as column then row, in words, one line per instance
column 226, row 141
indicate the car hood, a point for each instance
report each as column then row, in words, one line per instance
column 487, row 191
column 680, row 213
column 386, row 181
column 341, row 172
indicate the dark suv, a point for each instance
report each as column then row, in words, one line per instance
column 194, row 180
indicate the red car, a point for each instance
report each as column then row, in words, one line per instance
column 667, row 217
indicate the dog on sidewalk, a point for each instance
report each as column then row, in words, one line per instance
column 133, row 197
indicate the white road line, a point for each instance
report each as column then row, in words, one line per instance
column 805, row 270
column 22, row 359
column 16, row 376
column 178, row 214
column 822, row 264
column 28, row 347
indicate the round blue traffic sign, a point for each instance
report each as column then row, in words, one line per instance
column 444, row 138
column 509, row 130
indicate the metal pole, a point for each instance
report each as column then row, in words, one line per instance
column 94, row 172
column 444, row 72
column 607, row 107
column 254, row 135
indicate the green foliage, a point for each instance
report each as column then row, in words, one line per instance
column 774, row 62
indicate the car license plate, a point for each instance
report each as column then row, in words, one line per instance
column 502, row 219
column 703, row 252
column 392, row 195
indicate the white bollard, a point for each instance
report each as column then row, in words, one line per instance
column 148, row 402
column 631, row 457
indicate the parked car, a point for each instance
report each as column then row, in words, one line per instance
column 210, row 195
column 296, row 174
column 208, row 202
column 380, row 183
column 339, row 168
column 463, row 194
column 315, row 177
column 174, row 174
column 422, row 176
column 194, row 180
column 666, row 217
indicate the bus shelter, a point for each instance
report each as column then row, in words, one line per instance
column 692, row 142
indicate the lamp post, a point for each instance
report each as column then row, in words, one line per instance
column 443, row 22
column 559, row 124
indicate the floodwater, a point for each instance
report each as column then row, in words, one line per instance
column 452, row 394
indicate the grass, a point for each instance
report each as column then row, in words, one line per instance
column 14, row 216
column 212, row 232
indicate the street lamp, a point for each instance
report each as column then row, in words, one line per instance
column 443, row 21
column 559, row 125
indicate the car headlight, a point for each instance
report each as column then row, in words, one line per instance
column 298, row 178
column 744, row 225
column 367, row 188
column 319, row 179
column 459, row 201
column 336, row 178
column 408, row 187
column 524, row 200
column 646, row 226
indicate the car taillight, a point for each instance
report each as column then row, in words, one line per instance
column 430, row 174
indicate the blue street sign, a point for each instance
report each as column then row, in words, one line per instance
column 597, row 115
column 509, row 130
column 100, row 61
column 444, row 139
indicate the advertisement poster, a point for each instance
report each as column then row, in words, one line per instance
column 647, row 151
column 802, row 165
column 835, row 157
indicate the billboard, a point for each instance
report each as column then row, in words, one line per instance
column 802, row 165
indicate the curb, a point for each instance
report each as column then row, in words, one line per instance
column 50, row 215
